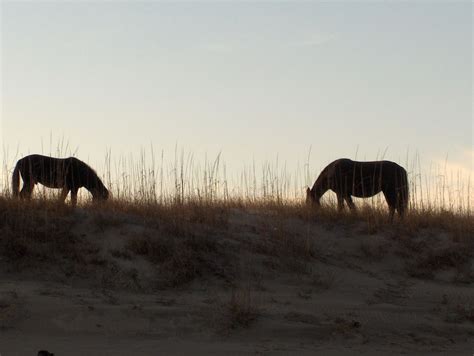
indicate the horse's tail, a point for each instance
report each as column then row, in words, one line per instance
column 16, row 180
column 403, row 191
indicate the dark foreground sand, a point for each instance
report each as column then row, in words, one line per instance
column 341, row 289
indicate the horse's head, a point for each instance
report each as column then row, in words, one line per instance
column 311, row 200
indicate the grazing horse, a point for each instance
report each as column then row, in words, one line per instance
column 70, row 174
column 362, row 179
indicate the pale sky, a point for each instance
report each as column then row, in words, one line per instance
column 249, row 79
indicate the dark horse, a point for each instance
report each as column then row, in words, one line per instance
column 362, row 179
column 70, row 174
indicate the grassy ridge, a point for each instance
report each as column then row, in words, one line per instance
column 150, row 179
column 43, row 229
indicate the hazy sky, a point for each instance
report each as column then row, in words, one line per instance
column 250, row 79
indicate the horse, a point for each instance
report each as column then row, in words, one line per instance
column 349, row 178
column 70, row 174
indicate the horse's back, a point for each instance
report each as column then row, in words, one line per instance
column 346, row 164
column 45, row 169
column 31, row 159
column 37, row 159
column 372, row 176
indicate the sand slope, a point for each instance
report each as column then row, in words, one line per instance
column 270, row 285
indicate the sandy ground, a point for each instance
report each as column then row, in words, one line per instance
column 357, row 294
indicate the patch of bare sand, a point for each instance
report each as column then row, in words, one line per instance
column 285, row 286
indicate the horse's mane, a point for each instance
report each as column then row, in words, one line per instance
column 322, row 176
column 90, row 170
column 84, row 165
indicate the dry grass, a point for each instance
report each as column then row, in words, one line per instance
column 184, row 242
column 37, row 231
column 278, row 240
column 241, row 310
column 177, row 219
column 188, row 240
column 370, row 220
column 183, row 192
column 374, row 251
column 427, row 263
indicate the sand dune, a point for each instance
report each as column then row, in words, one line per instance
column 246, row 282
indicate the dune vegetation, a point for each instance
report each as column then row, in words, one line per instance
column 185, row 256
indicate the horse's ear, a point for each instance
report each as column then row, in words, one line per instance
column 308, row 190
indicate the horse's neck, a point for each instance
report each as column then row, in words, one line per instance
column 95, row 188
column 320, row 186
column 91, row 182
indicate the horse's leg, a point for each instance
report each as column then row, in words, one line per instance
column 27, row 189
column 340, row 202
column 400, row 207
column 74, row 196
column 392, row 203
column 64, row 194
column 391, row 213
column 350, row 203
